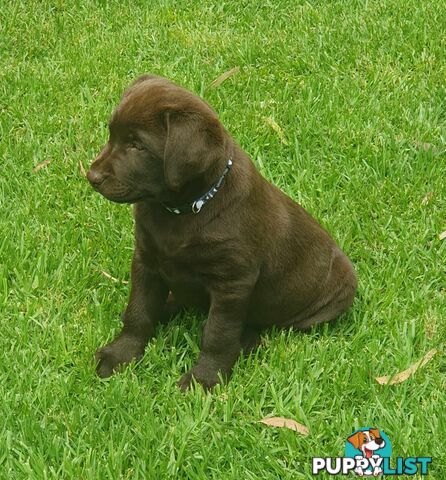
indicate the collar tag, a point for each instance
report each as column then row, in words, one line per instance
column 196, row 206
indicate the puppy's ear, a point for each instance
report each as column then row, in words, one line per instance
column 375, row 432
column 356, row 439
column 194, row 143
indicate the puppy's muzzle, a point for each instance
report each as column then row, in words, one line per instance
column 95, row 178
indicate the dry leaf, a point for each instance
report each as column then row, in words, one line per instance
column 286, row 423
column 41, row 165
column 277, row 129
column 403, row 376
column 224, row 76
column 427, row 198
column 442, row 235
column 107, row 275
column 82, row 169
column 424, row 145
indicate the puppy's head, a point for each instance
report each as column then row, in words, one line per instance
column 165, row 144
column 367, row 441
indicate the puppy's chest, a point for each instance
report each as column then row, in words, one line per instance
column 175, row 261
column 175, row 255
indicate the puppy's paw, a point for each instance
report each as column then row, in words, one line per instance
column 206, row 379
column 118, row 353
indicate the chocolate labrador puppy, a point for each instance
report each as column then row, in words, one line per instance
column 210, row 230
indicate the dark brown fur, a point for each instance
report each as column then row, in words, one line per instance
column 252, row 257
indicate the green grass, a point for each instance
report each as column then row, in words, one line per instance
column 358, row 88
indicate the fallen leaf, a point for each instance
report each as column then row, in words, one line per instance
column 41, row 165
column 404, row 375
column 427, row 198
column 286, row 423
column 224, row 76
column 424, row 145
column 107, row 275
column 442, row 235
column 277, row 129
column 82, row 169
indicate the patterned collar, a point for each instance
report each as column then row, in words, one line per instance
column 197, row 205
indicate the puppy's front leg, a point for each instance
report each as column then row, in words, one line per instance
column 144, row 310
column 221, row 342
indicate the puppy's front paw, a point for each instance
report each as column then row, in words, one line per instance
column 206, row 379
column 118, row 353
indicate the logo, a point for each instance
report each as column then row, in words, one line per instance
column 368, row 447
column 368, row 452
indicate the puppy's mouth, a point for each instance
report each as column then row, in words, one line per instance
column 368, row 453
column 117, row 192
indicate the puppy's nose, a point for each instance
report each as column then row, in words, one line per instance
column 379, row 441
column 95, row 177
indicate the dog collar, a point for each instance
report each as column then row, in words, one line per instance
column 197, row 205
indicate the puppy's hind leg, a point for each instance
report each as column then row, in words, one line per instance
column 339, row 291
column 326, row 312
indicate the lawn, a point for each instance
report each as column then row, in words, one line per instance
column 342, row 105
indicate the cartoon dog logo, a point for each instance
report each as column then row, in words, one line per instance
column 368, row 442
